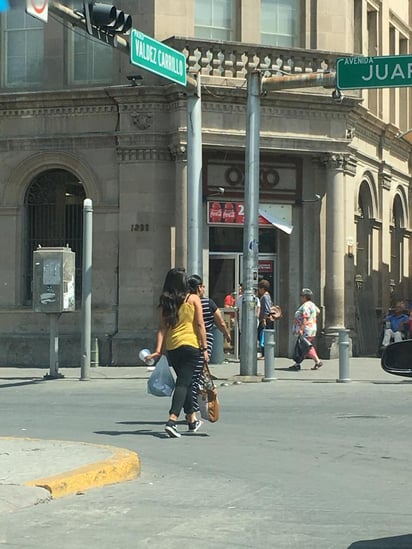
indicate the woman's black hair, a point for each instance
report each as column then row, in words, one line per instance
column 194, row 281
column 174, row 293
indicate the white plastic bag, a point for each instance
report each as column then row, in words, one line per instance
column 161, row 382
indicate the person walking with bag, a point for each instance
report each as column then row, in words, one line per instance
column 211, row 317
column 305, row 324
column 182, row 334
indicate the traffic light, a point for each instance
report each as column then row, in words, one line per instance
column 107, row 18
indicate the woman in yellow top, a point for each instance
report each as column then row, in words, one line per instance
column 181, row 333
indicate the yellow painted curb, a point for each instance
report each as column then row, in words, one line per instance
column 123, row 465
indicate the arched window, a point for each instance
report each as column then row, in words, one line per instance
column 364, row 231
column 54, row 217
column 397, row 234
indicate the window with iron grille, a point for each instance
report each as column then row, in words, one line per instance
column 54, row 217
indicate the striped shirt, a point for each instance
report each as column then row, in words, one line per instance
column 209, row 308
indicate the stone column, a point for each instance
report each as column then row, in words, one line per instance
column 334, row 294
column 335, row 249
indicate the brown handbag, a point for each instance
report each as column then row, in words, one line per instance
column 208, row 400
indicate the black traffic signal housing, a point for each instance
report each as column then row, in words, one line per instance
column 107, row 18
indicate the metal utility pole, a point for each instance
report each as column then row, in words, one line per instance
column 248, row 347
column 194, row 181
column 86, row 288
column 290, row 81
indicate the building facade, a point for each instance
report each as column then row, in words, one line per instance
column 79, row 121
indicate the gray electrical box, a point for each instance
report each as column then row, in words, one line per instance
column 53, row 280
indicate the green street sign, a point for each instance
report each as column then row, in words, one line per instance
column 154, row 56
column 387, row 71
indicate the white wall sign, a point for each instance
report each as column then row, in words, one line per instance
column 38, row 9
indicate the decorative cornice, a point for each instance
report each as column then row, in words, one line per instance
column 142, row 106
column 58, row 111
column 142, row 141
column 57, row 143
column 143, row 155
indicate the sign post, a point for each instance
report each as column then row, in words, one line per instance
column 38, row 9
column 156, row 57
column 387, row 71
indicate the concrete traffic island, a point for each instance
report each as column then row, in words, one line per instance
column 64, row 467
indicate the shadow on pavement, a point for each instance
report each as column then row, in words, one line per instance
column 395, row 542
column 140, row 422
column 20, row 383
column 155, row 434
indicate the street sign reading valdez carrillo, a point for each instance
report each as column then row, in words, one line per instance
column 387, row 71
column 156, row 57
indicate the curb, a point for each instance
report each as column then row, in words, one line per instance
column 122, row 466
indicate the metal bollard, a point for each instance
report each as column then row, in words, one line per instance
column 343, row 357
column 269, row 355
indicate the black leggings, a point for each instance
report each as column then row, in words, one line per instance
column 183, row 360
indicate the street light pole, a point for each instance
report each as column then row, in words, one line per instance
column 248, row 344
column 194, row 181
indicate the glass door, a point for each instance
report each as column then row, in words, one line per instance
column 224, row 279
column 224, row 273
column 267, row 269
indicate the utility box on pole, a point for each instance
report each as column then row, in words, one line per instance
column 53, row 280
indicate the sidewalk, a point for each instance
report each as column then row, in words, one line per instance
column 360, row 369
column 32, row 471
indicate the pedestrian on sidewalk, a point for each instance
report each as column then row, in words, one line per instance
column 181, row 333
column 396, row 324
column 211, row 317
column 265, row 319
column 305, row 324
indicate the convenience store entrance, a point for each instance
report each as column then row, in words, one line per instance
column 225, row 275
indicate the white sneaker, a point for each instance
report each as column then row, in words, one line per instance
column 171, row 430
column 195, row 426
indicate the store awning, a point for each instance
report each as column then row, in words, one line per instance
column 281, row 223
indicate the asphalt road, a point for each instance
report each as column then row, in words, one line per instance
column 291, row 464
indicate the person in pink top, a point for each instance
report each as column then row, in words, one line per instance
column 305, row 324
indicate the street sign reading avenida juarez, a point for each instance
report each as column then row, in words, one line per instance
column 388, row 71
column 154, row 56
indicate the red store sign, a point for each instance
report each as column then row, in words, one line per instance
column 229, row 213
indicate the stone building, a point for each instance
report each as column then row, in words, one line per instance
column 79, row 121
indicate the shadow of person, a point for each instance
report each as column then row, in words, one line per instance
column 395, row 542
column 149, row 432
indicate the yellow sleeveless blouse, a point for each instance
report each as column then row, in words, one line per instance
column 184, row 333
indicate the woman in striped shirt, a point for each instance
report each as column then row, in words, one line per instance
column 211, row 317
